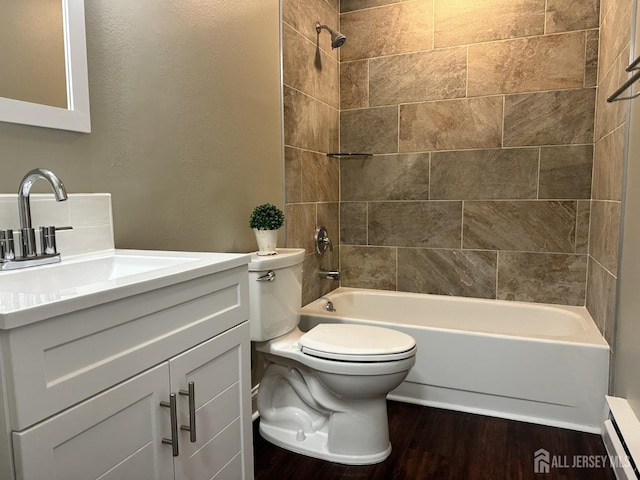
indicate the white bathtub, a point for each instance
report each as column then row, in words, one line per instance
column 546, row 364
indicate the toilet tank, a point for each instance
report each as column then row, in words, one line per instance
column 275, row 304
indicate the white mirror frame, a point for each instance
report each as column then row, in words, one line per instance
column 76, row 116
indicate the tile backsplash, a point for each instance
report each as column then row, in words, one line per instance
column 88, row 213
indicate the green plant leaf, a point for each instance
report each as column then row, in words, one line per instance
column 266, row 217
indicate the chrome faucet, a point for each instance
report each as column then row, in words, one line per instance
column 29, row 257
column 27, row 233
column 332, row 274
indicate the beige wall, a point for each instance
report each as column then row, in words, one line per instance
column 480, row 116
column 311, row 117
column 186, row 122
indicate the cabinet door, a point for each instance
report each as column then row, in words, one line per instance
column 220, row 371
column 115, row 435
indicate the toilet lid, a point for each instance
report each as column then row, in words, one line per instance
column 357, row 343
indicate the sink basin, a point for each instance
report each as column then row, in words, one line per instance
column 34, row 293
column 67, row 278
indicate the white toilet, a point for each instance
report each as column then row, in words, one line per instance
column 323, row 393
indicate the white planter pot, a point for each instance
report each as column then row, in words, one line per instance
column 267, row 241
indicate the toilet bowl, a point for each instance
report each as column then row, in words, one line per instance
column 323, row 392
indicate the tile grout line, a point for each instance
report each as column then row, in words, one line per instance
column 457, row 99
column 484, row 200
column 538, row 181
column 455, row 249
column 368, row 83
column 497, row 268
column 586, row 281
column 508, row 147
column 478, row 43
column 578, row 210
column 433, row 25
column 504, row 108
column 602, row 266
column 462, row 226
column 584, row 76
column 398, row 127
column 366, row 222
column 429, row 186
column 397, row 248
column 466, row 85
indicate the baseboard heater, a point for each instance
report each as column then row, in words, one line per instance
column 621, row 436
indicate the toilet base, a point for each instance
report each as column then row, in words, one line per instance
column 315, row 445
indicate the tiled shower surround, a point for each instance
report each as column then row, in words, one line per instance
column 480, row 119
column 311, row 119
column 610, row 140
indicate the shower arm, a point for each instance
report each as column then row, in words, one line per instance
column 337, row 38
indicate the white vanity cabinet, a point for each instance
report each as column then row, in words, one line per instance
column 113, row 435
column 85, row 393
column 118, row 433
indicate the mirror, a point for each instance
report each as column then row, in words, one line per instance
column 43, row 64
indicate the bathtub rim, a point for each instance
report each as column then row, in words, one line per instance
column 591, row 337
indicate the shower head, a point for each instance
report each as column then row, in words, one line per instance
column 337, row 39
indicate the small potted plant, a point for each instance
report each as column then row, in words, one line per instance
column 265, row 220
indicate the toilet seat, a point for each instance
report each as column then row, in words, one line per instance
column 357, row 343
column 287, row 347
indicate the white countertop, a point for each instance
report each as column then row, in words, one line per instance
column 82, row 281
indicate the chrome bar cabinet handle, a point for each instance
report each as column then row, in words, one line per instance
column 191, row 428
column 173, row 408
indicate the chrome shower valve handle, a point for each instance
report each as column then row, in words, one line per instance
column 322, row 240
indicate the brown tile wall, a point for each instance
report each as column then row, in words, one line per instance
column 608, row 162
column 311, row 94
column 481, row 118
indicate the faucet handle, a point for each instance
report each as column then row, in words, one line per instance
column 48, row 239
column 7, row 246
column 322, row 240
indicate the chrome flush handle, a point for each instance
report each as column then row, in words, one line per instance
column 270, row 276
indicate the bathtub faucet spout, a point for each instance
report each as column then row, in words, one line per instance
column 332, row 274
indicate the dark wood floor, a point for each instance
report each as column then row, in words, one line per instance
column 430, row 443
